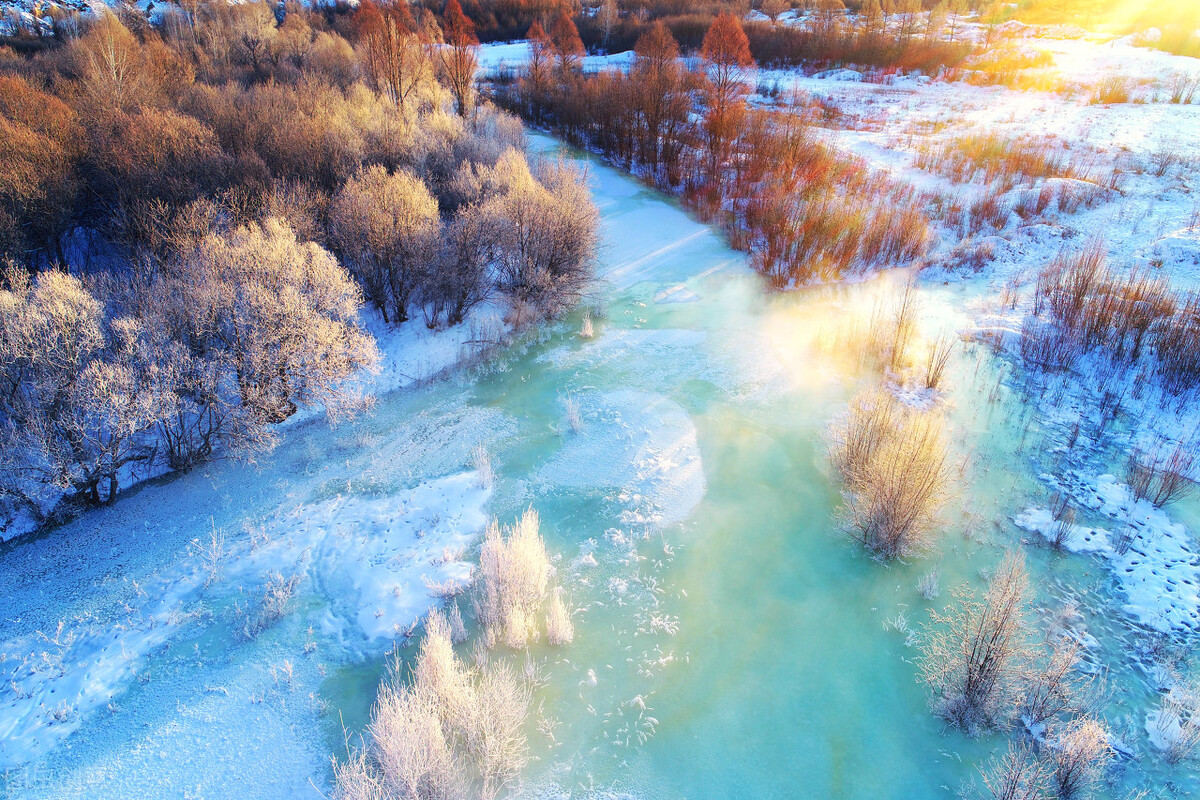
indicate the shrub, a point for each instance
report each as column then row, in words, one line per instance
column 974, row 655
column 72, row 404
column 1161, row 478
column 283, row 313
column 894, row 465
column 1053, row 690
column 39, row 154
column 1078, row 757
column 513, row 580
column 274, row 606
column 547, row 231
column 450, row 732
column 1017, row 775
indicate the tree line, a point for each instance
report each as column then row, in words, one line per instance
column 803, row 211
column 193, row 211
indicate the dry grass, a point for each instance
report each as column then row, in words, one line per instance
column 1134, row 321
column 481, row 462
column 1112, row 89
column 560, row 629
column 1183, row 87
column 937, row 359
column 993, row 157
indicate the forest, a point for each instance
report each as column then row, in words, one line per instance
column 192, row 214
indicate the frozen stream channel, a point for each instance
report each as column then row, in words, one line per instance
column 729, row 643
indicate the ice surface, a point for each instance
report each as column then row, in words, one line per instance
column 641, row 444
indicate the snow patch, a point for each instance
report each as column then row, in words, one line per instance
column 1153, row 559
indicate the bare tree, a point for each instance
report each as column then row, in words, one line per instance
column 396, row 59
column 608, row 15
column 458, row 57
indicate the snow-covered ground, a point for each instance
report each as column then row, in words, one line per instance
column 377, row 560
column 1154, row 561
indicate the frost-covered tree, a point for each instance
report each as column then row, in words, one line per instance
column 283, row 315
column 547, row 233
column 72, row 403
column 388, row 226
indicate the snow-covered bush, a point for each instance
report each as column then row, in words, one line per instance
column 513, row 580
column 216, row 345
column 974, row 656
column 448, row 732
